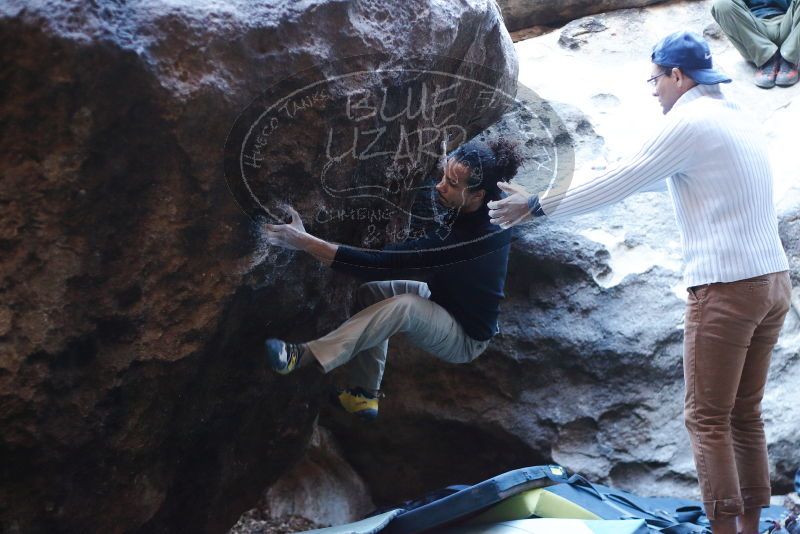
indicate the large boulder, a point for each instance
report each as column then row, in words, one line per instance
column 136, row 293
column 587, row 370
column 520, row 14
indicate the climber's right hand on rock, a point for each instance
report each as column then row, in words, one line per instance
column 292, row 235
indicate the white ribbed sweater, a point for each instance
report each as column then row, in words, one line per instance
column 716, row 168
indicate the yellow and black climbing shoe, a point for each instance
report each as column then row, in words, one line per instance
column 356, row 401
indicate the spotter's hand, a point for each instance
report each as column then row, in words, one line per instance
column 292, row 235
column 511, row 210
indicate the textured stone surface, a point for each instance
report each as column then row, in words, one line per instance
column 256, row 522
column 524, row 13
column 135, row 293
column 322, row 487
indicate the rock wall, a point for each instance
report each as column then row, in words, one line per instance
column 135, row 292
column 519, row 14
column 322, row 488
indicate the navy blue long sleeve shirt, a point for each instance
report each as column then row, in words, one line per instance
column 768, row 8
column 465, row 271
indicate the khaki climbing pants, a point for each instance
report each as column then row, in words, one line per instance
column 387, row 308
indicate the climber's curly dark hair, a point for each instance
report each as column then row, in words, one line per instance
column 490, row 161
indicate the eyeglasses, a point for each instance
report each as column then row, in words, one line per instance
column 652, row 81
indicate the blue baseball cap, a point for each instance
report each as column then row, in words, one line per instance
column 690, row 53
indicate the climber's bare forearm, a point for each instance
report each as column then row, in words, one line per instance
column 320, row 249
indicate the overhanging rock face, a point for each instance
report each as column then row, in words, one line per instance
column 136, row 293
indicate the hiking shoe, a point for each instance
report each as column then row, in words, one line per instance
column 282, row 357
column 765, row 75
column 787, row 74
column 356, row 401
